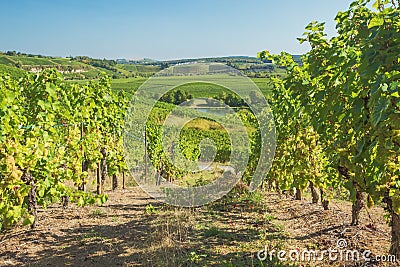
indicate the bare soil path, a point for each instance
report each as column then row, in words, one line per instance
column 131, row 229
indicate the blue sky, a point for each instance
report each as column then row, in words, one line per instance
column 160, row 29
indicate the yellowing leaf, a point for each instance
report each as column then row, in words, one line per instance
column 374, row 22
column 376, row 5
column 395, row 94
column 370, row 201
column 28, row 220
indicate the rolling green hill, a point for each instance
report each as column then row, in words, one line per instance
column 83, row 67
column 71, row 69
column 79, row 68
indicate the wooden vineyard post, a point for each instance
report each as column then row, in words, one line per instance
column 314, row 193
column 123, row 180
column 298, row 193
column 98, row 179
column 145, row 157
column 114, row 182
column 85, row 164
column 103, row 167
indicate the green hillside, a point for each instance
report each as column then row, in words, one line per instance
column 12, row 71
column 83, row 67
column 71, row 69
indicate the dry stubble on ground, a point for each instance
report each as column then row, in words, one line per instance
column 131, row 229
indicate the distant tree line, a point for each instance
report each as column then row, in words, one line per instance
column 108, row 64
column 231, row 100
column 176, row 97
column 15, row 53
